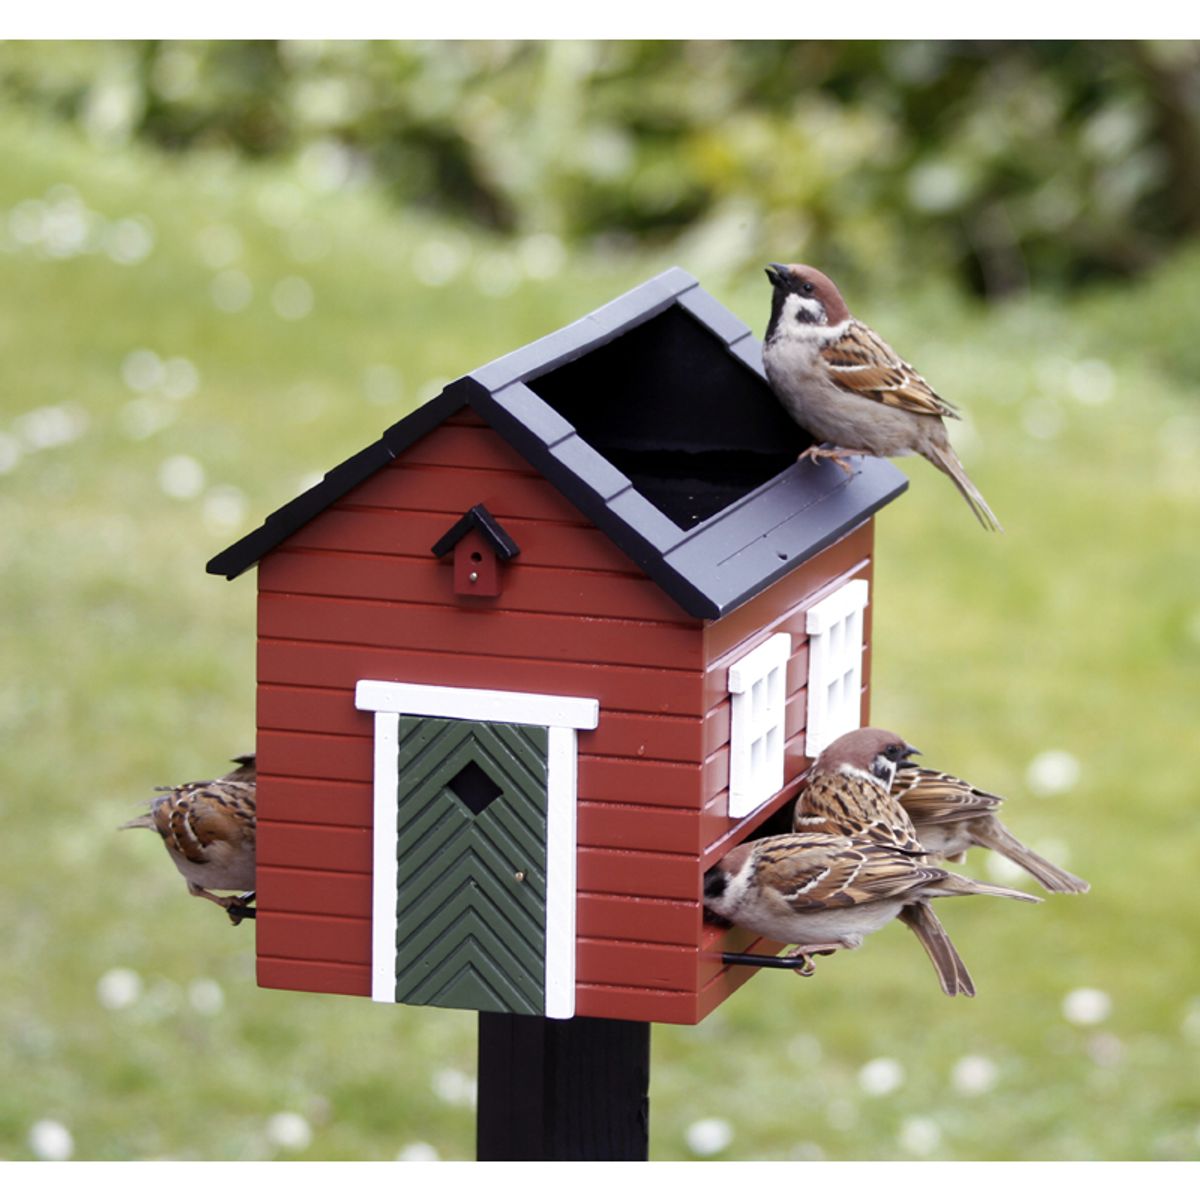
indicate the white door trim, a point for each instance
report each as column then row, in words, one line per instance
column 562, row 716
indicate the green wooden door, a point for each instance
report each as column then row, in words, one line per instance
column 471, row 865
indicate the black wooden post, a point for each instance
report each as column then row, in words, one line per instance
column 562, row 1091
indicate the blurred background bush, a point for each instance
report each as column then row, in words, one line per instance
column 226, row 266
column 1003, row 164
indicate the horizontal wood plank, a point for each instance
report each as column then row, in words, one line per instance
column 551, row 590
column 413, row 532
column 636, row 964
column 636, row 1004
column 471, row 631
column 327, row 664
column 323, row 938
column 325, row 893
column 675, row 922
column 303, row 975
column 620, row 734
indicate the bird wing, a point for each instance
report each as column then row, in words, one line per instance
column 199, row 819
column 812, row 871
column 936, row 798
column 862, row 363
column 851, row 807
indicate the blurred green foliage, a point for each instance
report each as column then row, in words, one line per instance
column 1005, row 163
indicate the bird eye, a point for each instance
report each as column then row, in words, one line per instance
column 808, row 287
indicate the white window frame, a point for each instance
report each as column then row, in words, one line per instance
column 563, row 717
column 758, row 696
column 835, row 660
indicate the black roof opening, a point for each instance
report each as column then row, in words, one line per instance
column 692, row 426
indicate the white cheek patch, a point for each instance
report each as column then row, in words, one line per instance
column 795, row 305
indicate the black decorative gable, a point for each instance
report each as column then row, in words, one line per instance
column 653, row 417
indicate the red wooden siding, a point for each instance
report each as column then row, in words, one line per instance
column 357, row 594
column 779, row 609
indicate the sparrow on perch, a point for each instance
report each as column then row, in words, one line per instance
column 208, row 829
column 824, row 892
column 843, row 383
column 848, row 794
column 951, row 816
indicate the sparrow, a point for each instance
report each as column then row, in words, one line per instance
column 208, row 828
column 823, row 892
column 843, row 383
column 847, row 791
column 951, row 816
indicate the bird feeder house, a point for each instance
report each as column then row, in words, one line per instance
column 536, row 658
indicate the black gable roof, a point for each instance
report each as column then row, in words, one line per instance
column 653, row 417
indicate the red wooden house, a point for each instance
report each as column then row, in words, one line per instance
column 534, row 660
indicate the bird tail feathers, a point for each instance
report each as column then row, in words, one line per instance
column 931, row 933
column 993, row 835
column 944, row 458
column 960, row 885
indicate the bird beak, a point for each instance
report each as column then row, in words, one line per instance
column 777, row 274
column 908, row 753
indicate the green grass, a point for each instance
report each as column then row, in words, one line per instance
column 126, row 666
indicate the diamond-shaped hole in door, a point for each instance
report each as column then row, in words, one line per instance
column 474, row 787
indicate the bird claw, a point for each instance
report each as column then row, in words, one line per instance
column 835, row 453
column 239, row 908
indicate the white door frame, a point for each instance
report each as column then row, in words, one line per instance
column 562, row 716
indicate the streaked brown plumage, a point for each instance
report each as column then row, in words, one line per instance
column 208, row 829
column 951, row 815
column 843, row 383
column 848, row 792
column 822, row 891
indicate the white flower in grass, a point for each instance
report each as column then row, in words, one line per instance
column 292, row 298
column 1086, row 1006
column 708, row 1136
column 974, row 1074
column 129, row 240
column 1092, row 381
column 1053, row 771
column 289, row 1131
column 180, row 378
column 224, row 507
column 51, row 425
column 453, row 1086
column 181, row 477
column 418, row 1152
column 51, row 1141
column 10, row 453
column 1003, row 871
column 231, row 291
column 205, row 996
column 438, row 262
column 919, row 1135
column 142, row 370
column 880, row 1076
column 119, row 988
column 220, row 246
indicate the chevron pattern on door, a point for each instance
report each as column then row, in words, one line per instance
column 471, row 865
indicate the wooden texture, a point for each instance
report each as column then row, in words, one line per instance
column 562, row 1091
column 357, row 594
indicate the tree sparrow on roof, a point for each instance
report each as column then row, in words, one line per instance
column 951, row 816
column 208, row 829
column 844, row 384
column 822, row 892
